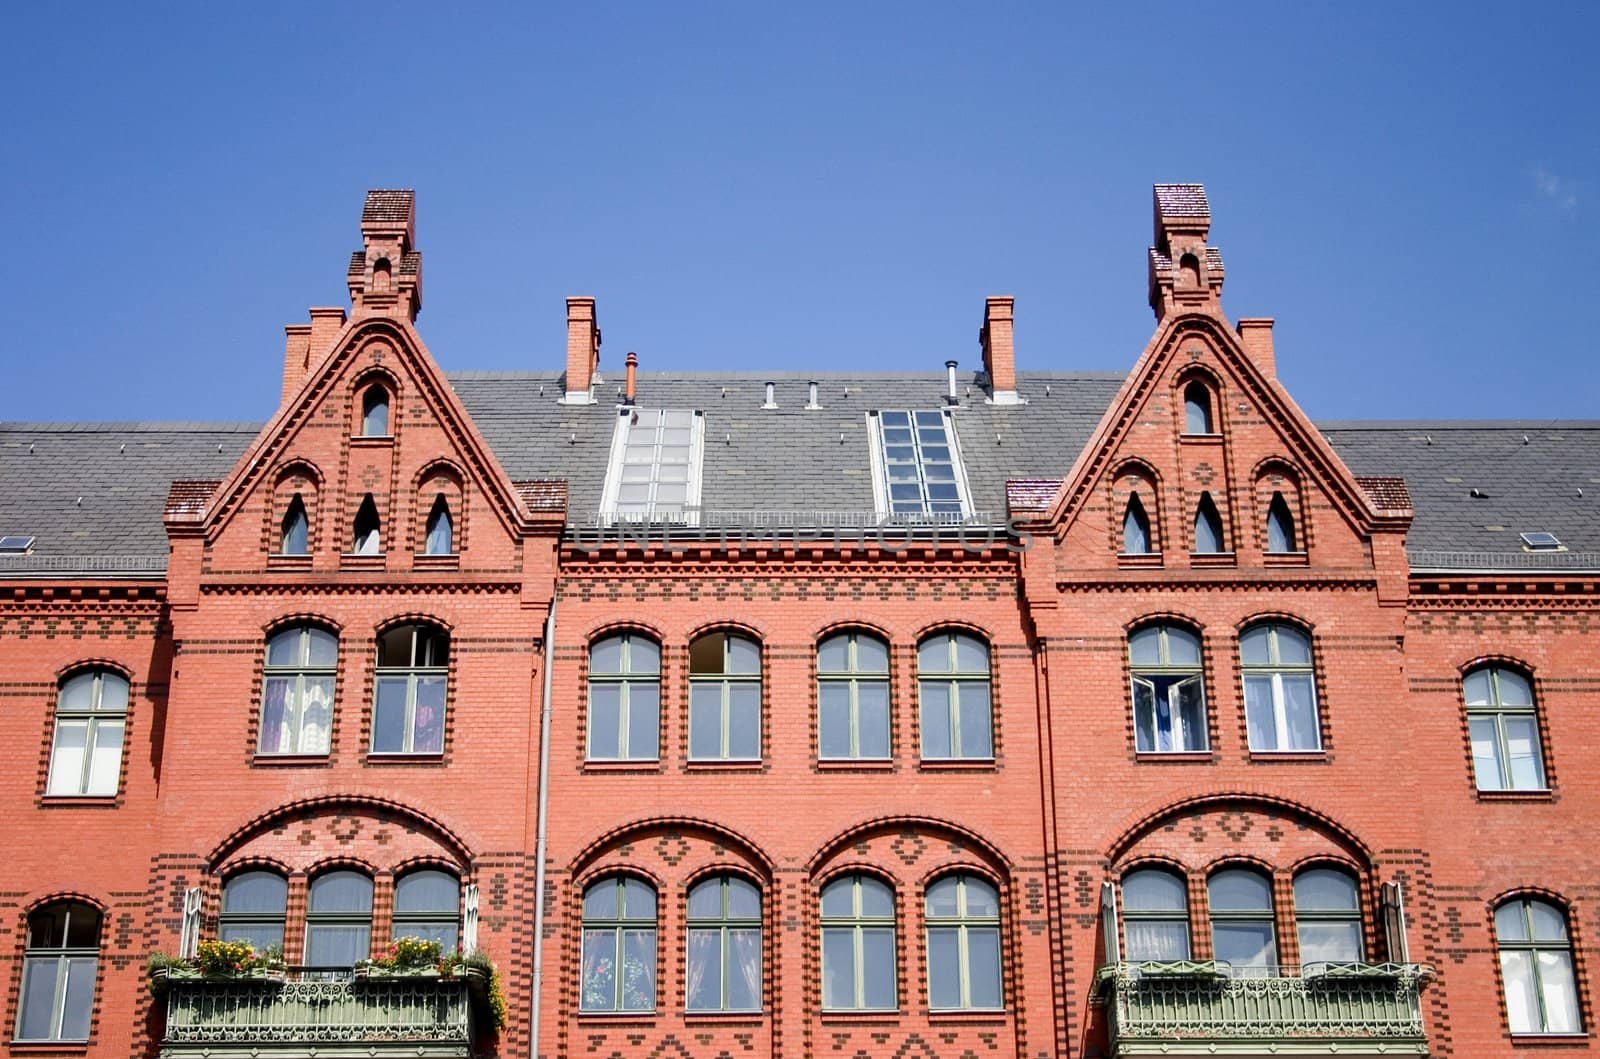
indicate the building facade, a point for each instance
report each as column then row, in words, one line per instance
column 972, row 713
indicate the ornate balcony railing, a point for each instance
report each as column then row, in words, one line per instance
column 1203, row 1009
column 417, row 1016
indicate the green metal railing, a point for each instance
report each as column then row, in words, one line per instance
column 412, row 1015
column 1203, row 1008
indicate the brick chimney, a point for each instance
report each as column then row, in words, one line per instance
column 999, row 350
column 1255, row 334
column 583, row 351
column 1185, row 273
column 385, row 276
column 296, row 356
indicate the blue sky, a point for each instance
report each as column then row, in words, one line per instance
column 1410, row 189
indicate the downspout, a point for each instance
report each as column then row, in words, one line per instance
column 539, row 840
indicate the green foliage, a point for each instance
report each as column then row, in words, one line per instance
column 234, row 958
column 410, row 954
column 494, row 995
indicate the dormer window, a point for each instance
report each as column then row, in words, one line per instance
column 441, row 531
column 375, row 412
column 367, row 539
column 295, row 531
column 654, row 474
column 916, row 466
column 1197, row 409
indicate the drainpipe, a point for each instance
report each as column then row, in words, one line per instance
column 539, row 840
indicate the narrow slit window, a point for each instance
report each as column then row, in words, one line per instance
column 918, row 466
column 441, row 530
column 1197, row 409
column 294, row 538
column 1207, row 527
column 367, row 540
column 1281, row 539
column 1136, row 529
column 375, row 412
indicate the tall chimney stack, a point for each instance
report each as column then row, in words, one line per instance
column 583, row 350
column 999, row 351
column 1255, row 334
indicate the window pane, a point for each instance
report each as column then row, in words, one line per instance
column 600, row 900
column 256, row 891
column 427, row 891
column 341, row 891
column 114, row 693
column 703, row 984
column 707, row 654
column 877, row 961
column 66, row 758
column 78, row 692
column 1514, row 688
column 833, row 654
column 644, row 656
column 1485, row 754
column 744, row 722
column 1476, row 688
column 1522, row 1004
column 838, row 898
column 643, row 707
column 316, row 717
column 1324, row 890
column 261, row 936
column 838, row 968
column 872, row 655
column 1300, row 711
column 982, row 899
column 1236, row 890
column 1259, row 713
column 1157, row 940
column 605, row 656
column 1183, row 647
column 872, row 718
column 428, row 930
column 638, row 900
column 936, row 719
column 1244, row 945
column 833, row 720
column 1253, row 646
column 1522, row 747
column 389, row 716
column 942, row 898
column 1548, row 922
column 1153, row 890
column 599, row 978
column 944, row 967
column 1191, row 711
column 1144, row 716
column 105, row 762
column 983, row 966
column 744, row 970
column 877, row 900
column 83, row 927
column 976, row 737
column 638, row 970
column 337, row 946
column 705, row 900
column 1280, row 538
column 705, row 720
column 744, row 900
column 38, row 998
column 1330, row 942
column 1510, row 922
column 972, row 654
column 933, row 654
column 1294, row 647
column 744, row 656
column 1560, row 992
column 283, row 649
column 605, row 712
column 428, row 726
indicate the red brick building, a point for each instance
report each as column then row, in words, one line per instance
column 962, row 713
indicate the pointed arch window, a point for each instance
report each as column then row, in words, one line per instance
column 294, row 535
column 1281, row 537
column 1155, row 914
column 91, row 718
column 297, row 691
column 1208, row 538
column 619, row 946
column 724, row 955
column 1169, row 695
column 858, row 957
column 375, row 411
column 1536, row 964
column 441, row 538
column 367, row 540
column 963, row 944
column 1242, row 932
column 1327, row 915
column 1136, row 538
column 1197, row 409
column 58, row 973
column 254, row 904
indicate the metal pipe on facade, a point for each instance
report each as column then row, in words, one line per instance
column 540, row 839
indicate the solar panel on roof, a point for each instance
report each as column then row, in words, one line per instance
column 1541, row 541
column 15, row 544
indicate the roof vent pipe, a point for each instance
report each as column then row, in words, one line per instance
column 629, row 388
column 950, row 372
column 772, row 401
column 811, row 396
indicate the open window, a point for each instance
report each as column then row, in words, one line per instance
column 1169, row 695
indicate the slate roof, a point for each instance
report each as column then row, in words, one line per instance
column 796, row 466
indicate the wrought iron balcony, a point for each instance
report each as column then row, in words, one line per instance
column 1204, row 1009
column 415, row 1016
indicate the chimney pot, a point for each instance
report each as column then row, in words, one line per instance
column 1255, row 334
column 999, row 351
column 633, row 373
column 950, row 374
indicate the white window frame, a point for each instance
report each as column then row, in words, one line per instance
column 880, row 472
column 613, row 483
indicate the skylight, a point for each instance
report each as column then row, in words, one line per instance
column 1540, row 541
column 917, row 466
column 15, row 544
column 654, row 474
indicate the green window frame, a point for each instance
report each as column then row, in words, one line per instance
column 1155, row 915
column 297, row 686
column 853, row 698
column 1241, row 907
column 427, row 904
column 1280, row 689
column 1327, row 916
column 338, row 921
column 254, row 909
column 722, row 957
column 1536, row 967
column 90, row 728
column 619, row 931
column 724, row 698
column 1503, row 724
column 410, row 690
column 1169, row 692
column 859, row 953
column 964, row 953
column 624, row 722
column 957, row 704
column 59, row 968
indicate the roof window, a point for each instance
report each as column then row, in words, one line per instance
column 916, row 466
column 654, row 473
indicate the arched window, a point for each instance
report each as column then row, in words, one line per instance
column 724, row 959
column 724, row 698
column 1280, row 688
column 953, row 684
column 1197, row 409
column 58, row 973
column 963, row 944
column 853, row 697
column 1327, row 915
column 254, row 904
column 441, row 538
column 366, row 538
column 375, row 412
column 1136, row 529
column 619, row 947
column 408, row 701
column 1536, row 963
column 1281, row 539
column 1169, row 693
column 297, row 691
column 1506, row 755
column 1207, row 527
column 427, row 904
column 624, row 698
column 1242, row 933
column 91, row 716
column 338, row 921
column 858, row 945
column 1155, row 913
column 294, row 538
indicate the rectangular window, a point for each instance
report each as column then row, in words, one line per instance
column 654, row 471
column 916, row 466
